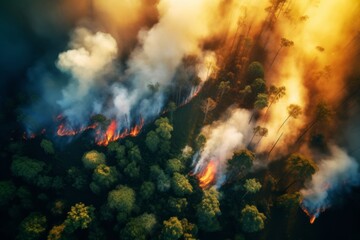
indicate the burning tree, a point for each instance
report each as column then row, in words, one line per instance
column 206, row 106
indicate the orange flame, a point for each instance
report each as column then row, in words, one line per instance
column 111, row 135
column 311, row 216
column 207, row 176
column 64, row 131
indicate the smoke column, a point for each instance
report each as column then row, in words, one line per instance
column 223, row 138
column 337, row 173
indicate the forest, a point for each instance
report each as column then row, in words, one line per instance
column 165, row 119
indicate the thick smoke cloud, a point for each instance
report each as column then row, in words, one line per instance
column 223, row 138
column 89, row 58
column 337, row 173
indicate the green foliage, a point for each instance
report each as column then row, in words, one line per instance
column 258, row 86
column 147, row 189
column 152, row 141
column 164, row 128
column 26, row 168
column 181, row 185
column 174, row 165
column 32, row 227
column 261, row 101
column 255, row 70
column 58, row 207
column 172, row 229
column 163, row 181
column 208, row 210
column 77, row 178
column 252, row 185
column 80, row 216
column 134, row 154
column 177, row 205
column 117, row 149
column 47, row 146
column 200, row 141
column 289, row 200
column 251, row 219
column 139, row 228
column 190, row 229
column 122, row 198
column 105, row 176
column 239, row 165
column 92, row 159
column 300, row 166
column 7, row 192
column 132, row 170
column 24, row 194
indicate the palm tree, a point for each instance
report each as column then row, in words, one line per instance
column 224, row 86
column 260, row 103
column 283, row 43
column 275, row 93
column 293, row 111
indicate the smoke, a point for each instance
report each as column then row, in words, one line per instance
column 337, row 173
column 88, row 60
column 315, row 68
column 223, row 138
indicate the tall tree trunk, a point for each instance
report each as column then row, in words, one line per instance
column 277, row 53
column 272, row 148
column 284, row 123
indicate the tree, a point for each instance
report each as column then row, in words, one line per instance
column 224, row 86
column 181, row 185
column 171, row 107
column 206, row 106
column 251, row 186
column 260, row 103
column 79, row 216
column 174, row 165
column 200, row 141
column 208, row 210
column 164, row 128
column 104, row 176
column 32, row 227
column 152, row 141
column 239, row 165
column 147, row 189
column 294, row 111
column 172, row 229
column 26, row 168
column 289, row 200
column 92, row 159
column 258, row 86
column 134, row 154
column 263, row 132
column 301, row 167
column 274, row 95
column 7, row 192
column 255, row 70
column 139, row 228
column 47, row 146
column 56, row 232
column 177, row 205
column 322, row 113
column 251, row 219
column 77, row 178
column 122, row 199
column 163, row 181
column 190, row 229
column 117, row 149
column 283, row 43
column 132, row 170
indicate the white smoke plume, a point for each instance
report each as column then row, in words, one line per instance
column 337, row 173
column 223, row 138
column 100, row 81
column 87, row 61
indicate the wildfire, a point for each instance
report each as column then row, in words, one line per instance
column 112, row 133
column 207, row 176
column 64, row 131
column 311, row 216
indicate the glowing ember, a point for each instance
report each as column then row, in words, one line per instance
column 136, row 130
column 64, row 131
column 207, row 176
column 311, row 216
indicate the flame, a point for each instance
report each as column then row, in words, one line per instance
column 208, row 175
column 65, row 131
column 112, row 133
column 310, row 215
